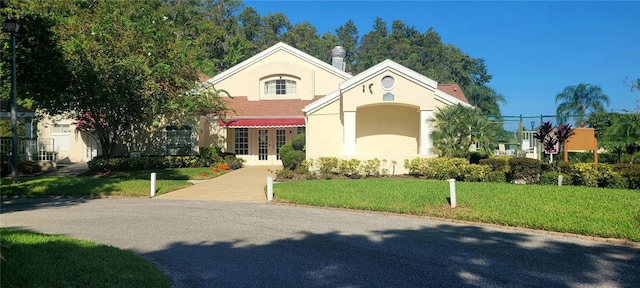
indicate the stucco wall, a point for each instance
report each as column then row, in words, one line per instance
column 324, row 132
column 405, row 91
column 311, row 80
column 387, row 130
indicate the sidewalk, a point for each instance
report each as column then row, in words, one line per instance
column 246, row 184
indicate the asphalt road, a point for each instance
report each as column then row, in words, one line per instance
column 232, row 244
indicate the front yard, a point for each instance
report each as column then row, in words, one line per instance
column 588, row 211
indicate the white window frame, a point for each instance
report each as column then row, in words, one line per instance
column 241, row 141
column 281, row 86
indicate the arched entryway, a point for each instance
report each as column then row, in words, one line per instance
column 387, row 129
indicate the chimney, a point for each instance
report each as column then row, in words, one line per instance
column 337, row 57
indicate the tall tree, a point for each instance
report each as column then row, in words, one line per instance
column 484, row 98
column 579, row 101
column 348, row 38
column 124, row 63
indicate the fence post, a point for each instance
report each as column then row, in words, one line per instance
column 269, row 189
column 153, row 184
column 452, row 192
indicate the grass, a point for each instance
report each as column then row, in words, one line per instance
column 588, row 211
column 133, row 184
column 37, row 260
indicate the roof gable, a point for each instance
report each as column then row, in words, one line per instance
column 270, row 51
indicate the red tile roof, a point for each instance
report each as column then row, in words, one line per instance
column 453, row 90
column 268, row 108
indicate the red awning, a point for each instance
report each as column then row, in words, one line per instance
column 263, row 123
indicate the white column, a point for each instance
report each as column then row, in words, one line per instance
column 349, row 133
column 425, row 132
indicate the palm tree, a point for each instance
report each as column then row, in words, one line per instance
column 485, row 98
column 580, row 100
column 457, row 127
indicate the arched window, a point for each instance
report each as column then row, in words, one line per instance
column 280, row 87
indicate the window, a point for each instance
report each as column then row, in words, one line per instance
column 61, row 129
column 61, row 132
column 178, row 140
column 300, row 130
column 388, row 82
column 281, row 138
column 280, row 87
column 241, row 142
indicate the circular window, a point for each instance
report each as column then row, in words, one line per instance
column 388, row 82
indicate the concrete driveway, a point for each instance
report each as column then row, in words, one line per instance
column 246, row 185
column 241, row 244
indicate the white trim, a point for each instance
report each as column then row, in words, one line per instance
column 448, row 99
column 322, row 102
column 349, row 133
column 389, row 65
column 425, row 132
column 268, row 52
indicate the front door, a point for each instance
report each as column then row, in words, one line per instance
column 281, row 139
column 263, row 144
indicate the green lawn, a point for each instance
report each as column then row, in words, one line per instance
column 581, row 210
column 135, row 184
column 37, row 260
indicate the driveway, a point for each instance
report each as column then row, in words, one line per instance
column 246, row 184
column 241, row 244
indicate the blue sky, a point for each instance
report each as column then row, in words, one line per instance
column 532, row 49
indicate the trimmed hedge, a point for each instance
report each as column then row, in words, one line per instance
column 524, row 169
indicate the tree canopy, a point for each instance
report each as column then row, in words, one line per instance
column 117, row 65
column 580, row 100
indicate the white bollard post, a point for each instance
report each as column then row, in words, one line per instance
column 452, row 192
column 559, row 179
column 269, row 189
column 153, row 184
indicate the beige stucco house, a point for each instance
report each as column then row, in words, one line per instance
column 382, row 113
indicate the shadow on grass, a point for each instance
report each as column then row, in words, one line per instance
column 34, row 260
column 440, row 256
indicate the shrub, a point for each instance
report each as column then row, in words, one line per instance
column 497, row 177
column 28, row 167
column 496, row 163
column 234, row 162
column 435, row 168
column 584, row 174
column 284, row 174
column 99, row 164
column 631, row 173
column 551, row 178
column 298, row 142
column 473, row 173
column 211, row 152
column 349, row 167
column 475, row 157
column 524, row 169
column 371, row 168
column 614, row 181
column 293, row 159
column 328, row 165
column 284, row 149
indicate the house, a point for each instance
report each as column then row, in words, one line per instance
column 382, row 113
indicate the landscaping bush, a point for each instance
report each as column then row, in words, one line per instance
column 371, row 168
column 349, row 167
column 524, row 169
column 298, row 142
column 435, row 168
column 475, row 157
column 28, row 167
column 100, row 164
column 497, row 177
column 473, row 173
column 293, row 159
column 328, row 165
column 614, row 181
column 496, row 163
column 631, row 173
column 234, row 162
column 551, row 178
